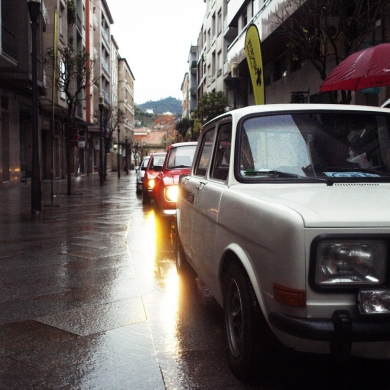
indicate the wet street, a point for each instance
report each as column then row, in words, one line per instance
column 90, row 299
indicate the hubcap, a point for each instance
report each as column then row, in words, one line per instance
column 234, row 319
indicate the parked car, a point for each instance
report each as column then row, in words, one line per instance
column 140, row 173
column 154, row 166
column 386, row 104
column 285, row 216
column 177, row 162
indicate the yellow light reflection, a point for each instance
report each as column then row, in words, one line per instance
column 161, row 267
column 150, row 240
column 169, row 310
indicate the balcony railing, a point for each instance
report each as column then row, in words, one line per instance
column 79, row 24
column 105, row 66
column 106, row 97
column 105, row 37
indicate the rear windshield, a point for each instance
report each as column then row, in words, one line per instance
column 181, row 157
column 331, row 145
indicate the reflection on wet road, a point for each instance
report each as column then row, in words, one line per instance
column 90, row 299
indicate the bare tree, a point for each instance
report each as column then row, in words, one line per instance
column 327, row 31
column 112, row 117
column 73, row 71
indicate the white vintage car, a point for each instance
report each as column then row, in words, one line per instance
column 286, row 218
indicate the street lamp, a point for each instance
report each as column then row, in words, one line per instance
column 118, row 161
column 34, row 9
column 101, row 139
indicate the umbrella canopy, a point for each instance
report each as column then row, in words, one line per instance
column 367, row 68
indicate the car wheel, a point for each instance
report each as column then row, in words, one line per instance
column 183, row 267
column 145, row 197
column 249, row 336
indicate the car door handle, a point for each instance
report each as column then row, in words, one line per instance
column 201, row 185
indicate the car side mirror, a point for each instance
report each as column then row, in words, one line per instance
column 157, row 168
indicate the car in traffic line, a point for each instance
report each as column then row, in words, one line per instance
column 140, row 173
column 177, row 162
column 285, row 216
column 153, row 168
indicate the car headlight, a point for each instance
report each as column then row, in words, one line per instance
column 349, row 262
column 170, row 193
column 151, row 183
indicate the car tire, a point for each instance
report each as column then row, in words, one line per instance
column 183, row 267
column 145, row 197
column 250, row 340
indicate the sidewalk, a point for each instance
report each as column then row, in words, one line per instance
column 71, row 311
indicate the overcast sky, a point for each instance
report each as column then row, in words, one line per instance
column 155, row 37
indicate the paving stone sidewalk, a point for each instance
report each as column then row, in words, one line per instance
column 71, row 312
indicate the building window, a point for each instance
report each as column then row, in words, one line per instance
column 213, row 64
column 219, row 22
column 280, row 68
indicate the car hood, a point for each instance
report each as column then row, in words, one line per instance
column 172, row 177
column 339, row 205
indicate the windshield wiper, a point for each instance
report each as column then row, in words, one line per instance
column 289, row 175
column 272, row 172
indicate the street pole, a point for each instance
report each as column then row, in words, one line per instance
column 101, row 140
column 34, row 9
column 101, row 173
column 118, row 161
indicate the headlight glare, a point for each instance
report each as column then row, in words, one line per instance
column 151, row 184
column 351, row 262
column 171, row 193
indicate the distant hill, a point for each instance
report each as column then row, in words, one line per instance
column 163, row 105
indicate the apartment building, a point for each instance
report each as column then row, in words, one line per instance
column 80, row 25
column 125, row 135
column 15, row 88
column 222, row 65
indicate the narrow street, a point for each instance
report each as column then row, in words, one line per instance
column 90, row 299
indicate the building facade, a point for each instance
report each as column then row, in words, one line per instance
column 222, row 65
column 81, row 25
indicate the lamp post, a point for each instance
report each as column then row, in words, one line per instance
column 34, row 9
column 101, row 173
column 118, row 159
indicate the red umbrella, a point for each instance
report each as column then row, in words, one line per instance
column 367, row 68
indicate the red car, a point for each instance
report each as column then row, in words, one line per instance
column 153, row 168
column 178, row 161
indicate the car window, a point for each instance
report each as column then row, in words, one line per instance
column 221, row 159
column 205, row 153
column 322, row 144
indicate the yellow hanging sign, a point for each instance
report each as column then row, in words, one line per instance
column 255, row 63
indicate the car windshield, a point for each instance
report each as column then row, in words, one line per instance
column 181, row 156
column 321, row 145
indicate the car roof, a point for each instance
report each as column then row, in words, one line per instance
column 296, row 107
column 386, row 104
column 178, row 144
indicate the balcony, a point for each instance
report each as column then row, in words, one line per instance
column 106, row 37
column 105, row 67
column 79, row 24
column 106, row 97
